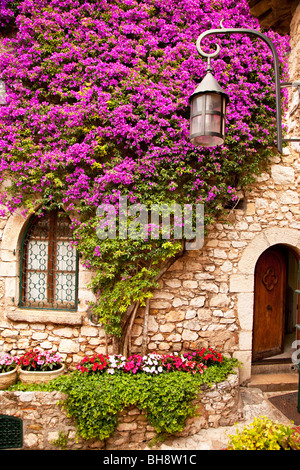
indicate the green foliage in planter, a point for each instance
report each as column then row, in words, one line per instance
column 264, row 434
column 96, row 400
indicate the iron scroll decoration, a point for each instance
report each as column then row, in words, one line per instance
column 278, row 85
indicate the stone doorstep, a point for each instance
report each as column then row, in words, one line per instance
column 274, row 377
column 275, row 382
column 273, row 368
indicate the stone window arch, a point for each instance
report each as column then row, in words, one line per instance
column 49, row 264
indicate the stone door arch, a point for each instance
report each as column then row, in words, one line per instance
column 242, row 286
column 270, row 288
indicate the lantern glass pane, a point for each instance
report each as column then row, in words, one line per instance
column 213, row 102
column 208, row 141
column 196, row 125
column 197, row 104
column 212, row 123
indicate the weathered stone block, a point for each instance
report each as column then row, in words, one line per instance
column 198, row 301
column 282, row 174
column 289, row 197
column 89, row 331
column 245, row 310
column 68, row 346
column 190, row 284
column 220, row 300
column 175, row 316
column 191, row 325
column 241, row 283
column 173, row 283
column 189, row 335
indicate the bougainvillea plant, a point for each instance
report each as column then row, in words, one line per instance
column 97, row 108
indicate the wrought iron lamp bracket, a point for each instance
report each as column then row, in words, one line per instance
column 278, row 85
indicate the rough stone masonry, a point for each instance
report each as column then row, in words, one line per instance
column 205, row 298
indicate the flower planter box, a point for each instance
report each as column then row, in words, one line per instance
column 44, row 420
column 37, row 377
column 8, row 378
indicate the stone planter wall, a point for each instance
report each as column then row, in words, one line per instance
column 44, row 420
column 205, row 298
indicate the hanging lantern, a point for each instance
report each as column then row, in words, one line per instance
column 208, row 111
column 2, row 93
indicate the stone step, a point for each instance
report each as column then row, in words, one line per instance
column 269, row 368
column 275, row 382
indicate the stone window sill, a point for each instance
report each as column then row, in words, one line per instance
column 59, row 317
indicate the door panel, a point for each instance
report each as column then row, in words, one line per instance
column 269, row 304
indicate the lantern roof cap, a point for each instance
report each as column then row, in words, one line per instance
column 209, row 85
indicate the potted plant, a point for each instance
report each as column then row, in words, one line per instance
column 36, row 366
column 8, row 371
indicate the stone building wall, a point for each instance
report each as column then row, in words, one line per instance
column 205, row 298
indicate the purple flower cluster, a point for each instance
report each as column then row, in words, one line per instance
column 8, row 363
column 97, row 108
column 6, row 12
column 98, row 98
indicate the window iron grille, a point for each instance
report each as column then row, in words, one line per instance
column 11, row 432
column 49, row 264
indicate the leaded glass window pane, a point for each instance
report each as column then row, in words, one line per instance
column 49, row 264
column 38, row 254
column 36, row 287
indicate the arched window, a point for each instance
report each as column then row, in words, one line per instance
column 49, row 264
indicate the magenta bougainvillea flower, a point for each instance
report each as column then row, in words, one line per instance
column 97, row 107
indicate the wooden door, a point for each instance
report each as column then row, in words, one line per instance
column 269, row 304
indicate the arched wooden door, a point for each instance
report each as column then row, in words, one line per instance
column 269, row 304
